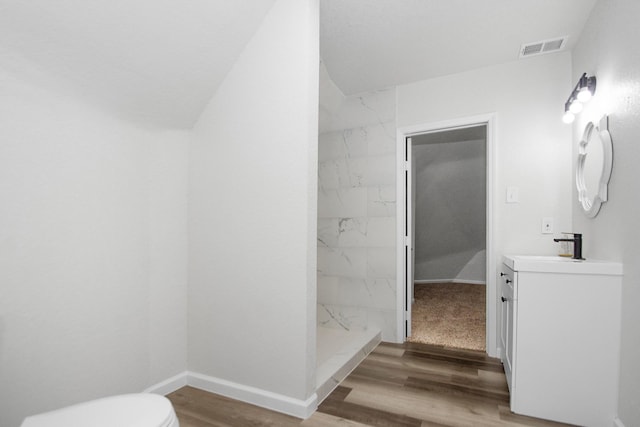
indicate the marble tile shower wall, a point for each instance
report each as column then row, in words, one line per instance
column 357, row 229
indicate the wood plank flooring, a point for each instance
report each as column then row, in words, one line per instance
column 412, row 385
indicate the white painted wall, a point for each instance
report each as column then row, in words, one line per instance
column 331, row 99
column 533, row 149
column 92, row 251
column 157, row 61
column 252, row 213
column 608, row 49
column 356, row 210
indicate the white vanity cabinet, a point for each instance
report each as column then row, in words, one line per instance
column 560, row 337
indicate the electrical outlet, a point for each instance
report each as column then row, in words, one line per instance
column 547, row 225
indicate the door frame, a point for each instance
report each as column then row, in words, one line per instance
column 404, row 246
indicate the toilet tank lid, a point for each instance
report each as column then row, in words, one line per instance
column 140, row 410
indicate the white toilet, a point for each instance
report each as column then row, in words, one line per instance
column 127, row 410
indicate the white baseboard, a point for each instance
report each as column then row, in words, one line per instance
column 617, row 422
column 169, row 385
column 263, row 398
column 470, row 282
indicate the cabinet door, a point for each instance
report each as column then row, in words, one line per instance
column 508, row 322
column 503, row 319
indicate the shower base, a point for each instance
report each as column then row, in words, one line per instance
column 338, row 353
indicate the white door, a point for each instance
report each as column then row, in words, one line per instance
column 408, row 238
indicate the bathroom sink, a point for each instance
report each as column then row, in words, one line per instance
column 558, row 264
column 549, row 258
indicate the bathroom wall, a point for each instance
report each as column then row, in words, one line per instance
column 356, row 213
column 92, row 249
column 252, row 216
column 608, row 49
column 532, row 146
column 450, row 210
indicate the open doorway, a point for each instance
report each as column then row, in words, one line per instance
column 446, row 236
column 448, row 203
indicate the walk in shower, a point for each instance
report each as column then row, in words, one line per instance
column 357, row 301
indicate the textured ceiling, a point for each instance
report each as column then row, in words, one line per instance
column 373, row 44
column 158, row 61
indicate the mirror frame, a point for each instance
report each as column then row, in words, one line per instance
column 592, row 207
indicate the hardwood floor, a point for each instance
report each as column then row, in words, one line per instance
column 413, row 385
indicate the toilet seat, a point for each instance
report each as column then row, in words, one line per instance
column 127, row 410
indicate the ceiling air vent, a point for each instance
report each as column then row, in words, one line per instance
column 541, row 47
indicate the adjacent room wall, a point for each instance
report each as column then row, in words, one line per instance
column 356, row 210
column 253, row 215
column 450, row 211
column 532, row 146
column 608, row 49
column 93, row 254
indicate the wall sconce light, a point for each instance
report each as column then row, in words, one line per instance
column 581, row 94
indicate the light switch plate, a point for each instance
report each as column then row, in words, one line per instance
column 547, row 225
column 512, row 195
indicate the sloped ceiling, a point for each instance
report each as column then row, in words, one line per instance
column 158, row 61
column 373, row 44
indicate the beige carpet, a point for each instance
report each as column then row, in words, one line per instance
column 449, row 314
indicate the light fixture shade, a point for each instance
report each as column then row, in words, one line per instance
column 584, row 95
column 581, row 93
column 575, row 107
column 568, row 117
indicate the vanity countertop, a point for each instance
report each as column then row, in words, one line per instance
column 558, row 264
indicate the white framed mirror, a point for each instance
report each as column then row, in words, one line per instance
column 593, row 170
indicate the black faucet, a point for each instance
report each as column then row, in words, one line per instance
column 577, row 244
